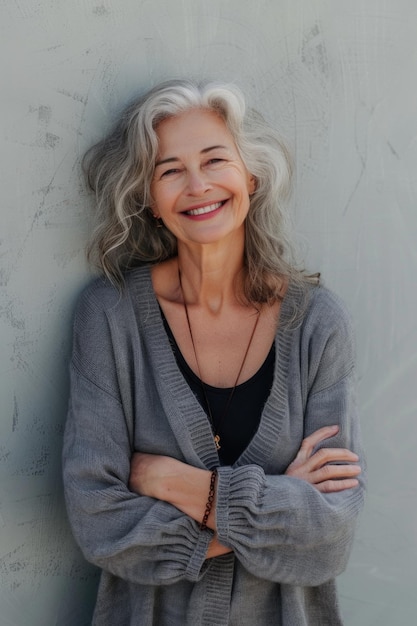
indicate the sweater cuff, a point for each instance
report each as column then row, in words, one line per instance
column 237, row 491
column 198, row 564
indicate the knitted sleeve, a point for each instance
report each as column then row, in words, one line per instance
column 281, row 528
column 134, row 537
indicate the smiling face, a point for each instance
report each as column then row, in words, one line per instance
column 200, row 185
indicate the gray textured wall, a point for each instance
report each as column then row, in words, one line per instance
column 339, row 78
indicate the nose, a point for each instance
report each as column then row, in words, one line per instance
column 197, row 183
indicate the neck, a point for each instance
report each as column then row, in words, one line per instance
column 211, row 276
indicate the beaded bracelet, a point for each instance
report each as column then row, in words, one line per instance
column 210, row 500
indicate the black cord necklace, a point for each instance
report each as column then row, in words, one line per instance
column 215, row 429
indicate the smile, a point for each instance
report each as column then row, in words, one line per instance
column 205, row 209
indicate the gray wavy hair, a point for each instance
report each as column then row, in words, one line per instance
column 120, row 168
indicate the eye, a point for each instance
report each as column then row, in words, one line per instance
column 214, row 161
column 170, row 172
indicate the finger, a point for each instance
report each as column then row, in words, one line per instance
column 331, row 455
column 333, row 472
column 334, row 486
column 320, row 458
column 325, row 474
column 311, row 441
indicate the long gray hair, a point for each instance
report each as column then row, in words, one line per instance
column 119, row 169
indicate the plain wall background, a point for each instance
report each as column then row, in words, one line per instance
column 339, row 79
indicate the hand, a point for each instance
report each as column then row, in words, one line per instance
column 317, row 469
column 216, row 549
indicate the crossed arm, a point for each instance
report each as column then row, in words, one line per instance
column 187, row 487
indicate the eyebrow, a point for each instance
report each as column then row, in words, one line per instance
column 203, row 151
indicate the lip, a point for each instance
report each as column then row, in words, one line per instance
column 203, row 211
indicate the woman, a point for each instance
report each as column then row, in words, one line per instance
column 211, row 451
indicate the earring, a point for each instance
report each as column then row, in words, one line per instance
column 159, row 222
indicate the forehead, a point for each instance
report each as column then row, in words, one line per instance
column 197, row 128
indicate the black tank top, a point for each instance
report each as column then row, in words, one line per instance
column 239, row 425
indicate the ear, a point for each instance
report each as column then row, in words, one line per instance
column 252, row 184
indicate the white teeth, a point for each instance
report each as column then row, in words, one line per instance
column 205, row 209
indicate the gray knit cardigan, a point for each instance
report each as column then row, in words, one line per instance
column 289, row 541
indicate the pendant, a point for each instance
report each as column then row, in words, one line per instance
column 217, row 442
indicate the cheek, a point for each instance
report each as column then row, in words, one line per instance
column 236, row 179
column 161, row 197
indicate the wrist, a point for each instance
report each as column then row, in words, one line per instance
column 210, row 500
column 187, row 488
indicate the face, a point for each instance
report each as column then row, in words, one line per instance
column 200, row 186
